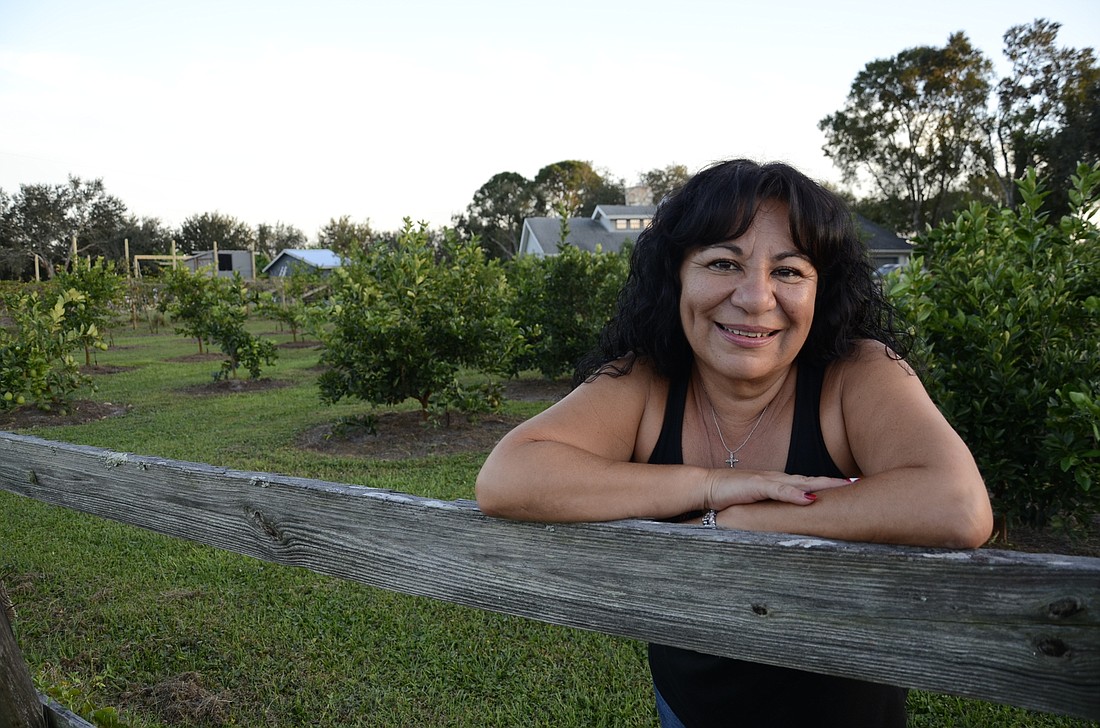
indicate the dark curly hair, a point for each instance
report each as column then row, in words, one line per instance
column 718, row 204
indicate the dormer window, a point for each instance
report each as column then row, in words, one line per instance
column 620, row 224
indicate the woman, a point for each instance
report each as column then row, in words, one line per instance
column 749, row 374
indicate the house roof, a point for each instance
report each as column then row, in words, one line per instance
column 625, row 210
column 878, row 237
column 321, row 258
column 584, row 233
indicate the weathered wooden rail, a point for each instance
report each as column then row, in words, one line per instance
column 1015, row 628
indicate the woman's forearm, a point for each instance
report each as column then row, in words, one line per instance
column 899, row 507
column 552, row 481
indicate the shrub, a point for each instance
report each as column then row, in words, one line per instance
column 1005, row 305
column 102, row 288
column 36, row 363
column 406, row 318
column 289, row 303
column 188, row 299
column 215, row 309
column 562, row 302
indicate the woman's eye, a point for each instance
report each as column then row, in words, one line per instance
column 723, row 265
column 788, row 273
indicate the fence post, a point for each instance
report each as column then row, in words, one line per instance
column 19, row 704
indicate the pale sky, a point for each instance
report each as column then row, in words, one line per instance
column 299, row 112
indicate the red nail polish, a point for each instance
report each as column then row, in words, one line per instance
column 810, row 496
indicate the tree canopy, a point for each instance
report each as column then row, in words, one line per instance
column 213, row 229
column 927, row 131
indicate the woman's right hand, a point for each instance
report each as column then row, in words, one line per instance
column 724, row 488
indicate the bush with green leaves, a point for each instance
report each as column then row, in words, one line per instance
column 215, row 309
column 227, row 331
column 407, row 318
column 297, row 301
column 1006, row 310
column 188, row 298
column 36, row 351
column 562, row 303
column 102, row 287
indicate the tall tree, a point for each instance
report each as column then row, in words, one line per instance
column 213, row 229
column 343, row 235
column 43, row 220
column 497, row 212
column 910, row 125
column 664, row 181
column 1046, row 114
column 272, row 239
column 574, row 188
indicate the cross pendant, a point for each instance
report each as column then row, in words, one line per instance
column 732, row 460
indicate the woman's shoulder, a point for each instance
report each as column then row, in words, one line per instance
column 637, row 375
column 868, row 356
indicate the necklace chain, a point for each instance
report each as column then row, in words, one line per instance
column 732, row 459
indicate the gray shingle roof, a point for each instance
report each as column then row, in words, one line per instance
column 878, row 237
column 584, row 233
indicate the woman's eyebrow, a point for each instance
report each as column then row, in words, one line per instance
column 736, row 250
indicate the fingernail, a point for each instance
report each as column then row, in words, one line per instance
column 810, row 496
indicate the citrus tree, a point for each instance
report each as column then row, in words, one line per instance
column 215, row 309
column 102, row 288
column 563, row 301
column 1005, row 305
column 36, row 349
column 408, row 317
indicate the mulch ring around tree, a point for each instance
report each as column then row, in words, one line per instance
column 94, row 369
column 403, row 435
column 234, row 386
column 76, row 412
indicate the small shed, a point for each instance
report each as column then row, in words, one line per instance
column 224, row 262
column 317, row 260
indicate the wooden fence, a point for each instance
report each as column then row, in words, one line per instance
column 1015, row 628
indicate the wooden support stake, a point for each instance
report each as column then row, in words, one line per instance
column 19, row 704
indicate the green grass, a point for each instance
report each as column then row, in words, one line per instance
column 173, row 633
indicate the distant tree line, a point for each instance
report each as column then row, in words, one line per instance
column 41, row 221
column 921, row 135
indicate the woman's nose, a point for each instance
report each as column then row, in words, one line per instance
column 754, row 293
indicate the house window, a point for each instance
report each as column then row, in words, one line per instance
column 620, row 224
column 225, row 262
column 635, row 224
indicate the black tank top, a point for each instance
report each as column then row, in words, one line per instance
column 704, row 690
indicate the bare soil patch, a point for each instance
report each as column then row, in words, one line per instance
column 299, row 344
column 94, row 369
column 402, row 435
column 234, row 386
column 77, row 412
column 536, row 390
column 191, row 358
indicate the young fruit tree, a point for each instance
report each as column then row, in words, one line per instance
column 407, row 318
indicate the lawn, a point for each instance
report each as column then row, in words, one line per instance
column 172, row 633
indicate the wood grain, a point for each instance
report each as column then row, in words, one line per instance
column 1015, row 628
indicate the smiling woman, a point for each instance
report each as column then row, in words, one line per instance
column 750, row 318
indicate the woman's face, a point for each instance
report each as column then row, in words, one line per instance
column 746, row 304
